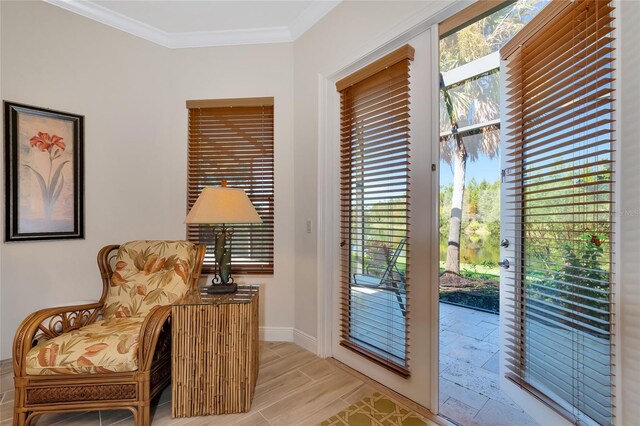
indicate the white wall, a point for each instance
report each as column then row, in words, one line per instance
column 629, row 212
column 133, row 94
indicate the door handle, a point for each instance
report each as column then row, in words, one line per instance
column 504, row 263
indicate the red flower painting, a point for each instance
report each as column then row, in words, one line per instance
column 51, row 188
column 44, row 142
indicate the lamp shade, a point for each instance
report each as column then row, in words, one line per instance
column 223, row 205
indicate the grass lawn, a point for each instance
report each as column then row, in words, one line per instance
column 478, row 286
column 482, row 272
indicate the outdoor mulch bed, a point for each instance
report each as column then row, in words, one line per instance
column 470, row 292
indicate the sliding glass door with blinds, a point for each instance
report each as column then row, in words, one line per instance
column 232, row 140
column 559, row 186
column 383, row 174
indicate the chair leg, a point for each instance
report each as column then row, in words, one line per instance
column 142, row 416
column 20, row 419
column 396, row 290
column 401, row 303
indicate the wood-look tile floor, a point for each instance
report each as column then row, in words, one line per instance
column 295, row 387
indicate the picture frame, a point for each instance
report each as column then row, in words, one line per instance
column 44, row 173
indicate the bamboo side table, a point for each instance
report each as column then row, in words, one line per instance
column 214, row 353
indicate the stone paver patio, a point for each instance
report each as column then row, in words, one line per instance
column 469, row 379
column 469, row 357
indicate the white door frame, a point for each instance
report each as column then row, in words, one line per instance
column 328, row 214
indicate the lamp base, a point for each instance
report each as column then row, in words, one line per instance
column 221, row 288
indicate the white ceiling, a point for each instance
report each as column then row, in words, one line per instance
column 200, row 23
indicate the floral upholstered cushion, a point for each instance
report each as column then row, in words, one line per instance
column 148, row 274
column 101, row 347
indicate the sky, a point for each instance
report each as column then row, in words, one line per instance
column 483, row 168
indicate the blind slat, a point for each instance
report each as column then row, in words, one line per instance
column 233, row 140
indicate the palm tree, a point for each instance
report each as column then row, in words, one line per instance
column 456, row 152
column 474, row 101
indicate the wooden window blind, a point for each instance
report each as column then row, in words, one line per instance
column 232, row 139
column 467, row 16
column 560, row 186
column 374, row 193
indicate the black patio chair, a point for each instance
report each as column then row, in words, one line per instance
column 390, row 280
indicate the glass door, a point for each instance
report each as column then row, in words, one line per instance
column 383, row 313
column 559, row 190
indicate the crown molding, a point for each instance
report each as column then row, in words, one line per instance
column 114, row 19
column 302, row 23
column 312, row 14
column 229, row 37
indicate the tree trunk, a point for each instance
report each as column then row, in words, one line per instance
column 452, row 263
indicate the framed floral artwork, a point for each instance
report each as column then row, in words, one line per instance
column 44, row 173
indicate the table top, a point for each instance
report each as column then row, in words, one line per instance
column 245, row 294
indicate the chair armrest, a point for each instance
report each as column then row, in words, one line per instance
column 375, row 268
column 48, row 323
column 153, row 325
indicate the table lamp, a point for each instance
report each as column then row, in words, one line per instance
column 220, row 207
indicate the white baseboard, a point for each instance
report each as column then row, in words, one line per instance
column 289, row 334
column 305, row 340
column 276, row 334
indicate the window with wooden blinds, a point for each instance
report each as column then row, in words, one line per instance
column 560, row 190
column 374, row 193
column 232, row 139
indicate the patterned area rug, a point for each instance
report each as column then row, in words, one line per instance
column 376, row 410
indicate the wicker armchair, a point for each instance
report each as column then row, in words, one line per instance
column 60, row 359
